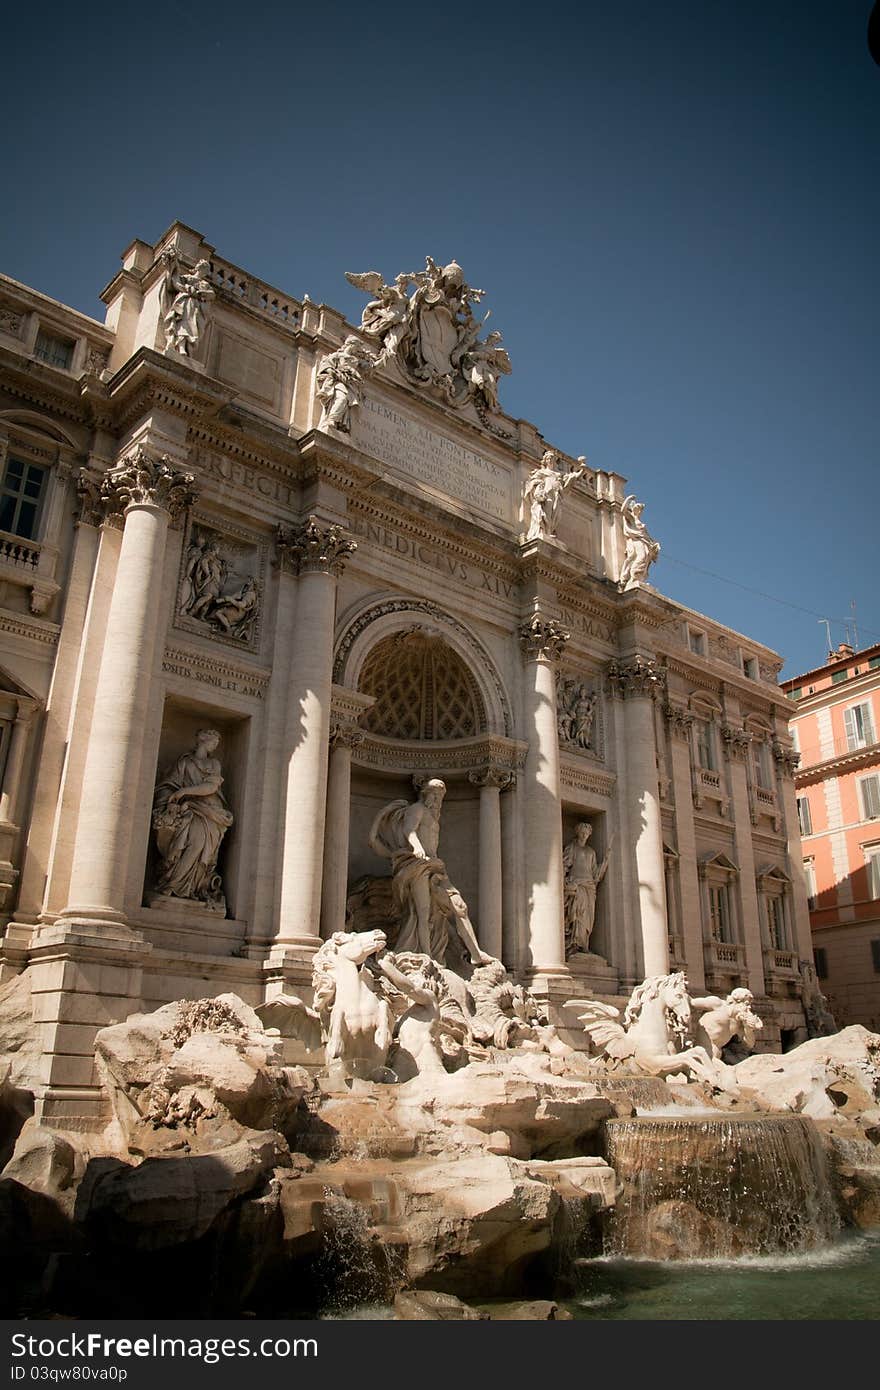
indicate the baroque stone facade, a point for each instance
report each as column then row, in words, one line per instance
column 262, row 573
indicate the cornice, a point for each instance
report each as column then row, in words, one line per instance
column 850, row 761
column 18, row 625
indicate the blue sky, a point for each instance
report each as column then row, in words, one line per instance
column 674, row 209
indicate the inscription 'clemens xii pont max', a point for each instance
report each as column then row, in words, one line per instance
column 434, row 460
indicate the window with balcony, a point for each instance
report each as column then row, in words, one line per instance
column 21, row 498
column 859, row 724
column 869, row 796
column 805, row 820
column 704, row 743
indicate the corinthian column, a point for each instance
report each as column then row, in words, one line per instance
column 491, row 782
column 542, row 641
column 343, row 737
column 148, row 491
column 637, row 682
column 317, row 553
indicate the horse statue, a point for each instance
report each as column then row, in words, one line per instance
column 655, row 1031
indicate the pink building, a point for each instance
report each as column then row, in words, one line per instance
column 835, row 730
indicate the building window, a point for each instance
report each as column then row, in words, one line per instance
column 872, row 862
column 869, row 792
column 697, row 642
column 57, row 352
column 720, row 919
column 810, row 877
column 21, row 497
column 776, row 923
column 805, row 820
column 761, row 756
column 705, row 744
column 875, row 954
column 821, row 958
column 859, row 725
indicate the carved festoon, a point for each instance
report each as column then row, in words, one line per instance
column 641, row 548
column 542, row 638
column 314, row 546
column 433, row 334
column 147, row 479
column 638, row 676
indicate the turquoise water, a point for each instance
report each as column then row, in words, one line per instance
column 839, row 1282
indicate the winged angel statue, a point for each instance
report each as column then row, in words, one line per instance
column 433, row 334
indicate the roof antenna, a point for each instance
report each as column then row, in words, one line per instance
column 828, row 631
column 852, row 604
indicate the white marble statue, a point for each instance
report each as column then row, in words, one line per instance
column 433, row 334
column 427, row 902
column 654, row 1035
column 187, row 294
column 641, row 548
column 190, row 818
column 505, row 1015
column 543, row 493
column 339, row 383
column 582, row 875
column 722, row 1020
column 352, row 1004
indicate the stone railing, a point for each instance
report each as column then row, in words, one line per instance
column 21, row 553
column 234, row 284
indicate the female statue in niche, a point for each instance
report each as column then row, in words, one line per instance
column 190, row 818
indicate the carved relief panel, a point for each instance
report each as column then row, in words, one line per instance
column 220, row 592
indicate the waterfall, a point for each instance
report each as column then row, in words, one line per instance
column 722, row 1187
column 354, row 1267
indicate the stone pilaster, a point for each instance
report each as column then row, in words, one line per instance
column 542, row 641
column 344, row 736
column 317, row 552
column 491, row 782
column 637, row 681
column 149, row 492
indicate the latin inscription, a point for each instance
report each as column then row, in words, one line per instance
column 432, row 459
column 426, row 555
column 215, row 678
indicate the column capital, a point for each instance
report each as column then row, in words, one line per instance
column 679, row 719
column 542, row 639
column 736, row 741
column 345, row 735
column 313, row 548
column 787, row 760
column 637, row 676
column 491, row 776
column 147, row 479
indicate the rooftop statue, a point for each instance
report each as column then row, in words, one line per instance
column 433, row 333
column 408, row 834
column 543, row 493
column 184, row 296
column 340, row 378
column 641, row 548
